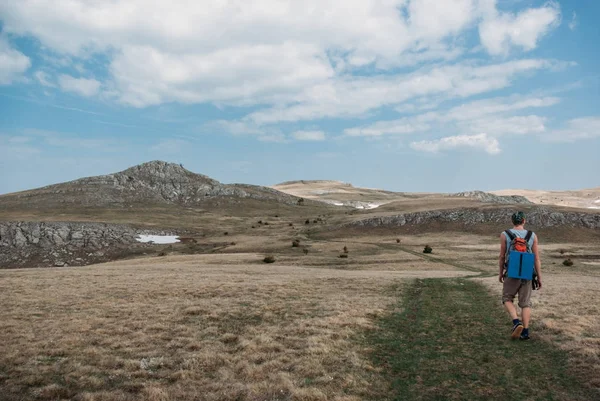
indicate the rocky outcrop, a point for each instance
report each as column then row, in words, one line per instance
column 538, row 217
column 491, row 198
column 51, row 235
column 64, row 243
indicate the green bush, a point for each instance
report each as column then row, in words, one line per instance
column 345, row 249
column 568, row 262
column 343, row 255
column 269, row 259
column 397, row 240
column 307, row 221
column 295, row 243
column 427, row 249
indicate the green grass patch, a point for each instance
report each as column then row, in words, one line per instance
column 450, row 340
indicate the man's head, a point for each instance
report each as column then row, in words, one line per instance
column 518, row 218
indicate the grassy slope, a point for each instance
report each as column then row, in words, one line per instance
column 451, row 341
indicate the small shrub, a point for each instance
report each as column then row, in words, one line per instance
column 266, row 223
column 226, row 233
column 295, row 243
column 307, row 221
column 315, row 221
column 269, row 259
column 300, row 201
column 397, row 240
column 253, row 227
column 561, row 251
column 163, row 253
column 345, row 249
column 291, row 224
column 427, row 249
column 259, row 221
column 232, row 243
column 343, row 255
column 305, row 250
column 568, row 262
column 276, row 215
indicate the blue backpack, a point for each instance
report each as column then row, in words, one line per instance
column 521, row 261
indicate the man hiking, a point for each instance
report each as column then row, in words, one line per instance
column 519, row 264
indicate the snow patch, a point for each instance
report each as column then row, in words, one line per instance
column 158, row 239
column 597, row 201
column 593, row 207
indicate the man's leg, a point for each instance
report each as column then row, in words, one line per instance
column 525, row 304
column 512, row 310
column 525, row 314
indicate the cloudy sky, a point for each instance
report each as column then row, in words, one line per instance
column 407, row 95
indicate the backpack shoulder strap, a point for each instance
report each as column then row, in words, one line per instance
column 510, row 234
column 528, row 236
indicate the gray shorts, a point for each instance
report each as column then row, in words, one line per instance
column 514, row 286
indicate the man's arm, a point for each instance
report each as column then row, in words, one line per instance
column 538, row 263
column 501, row 259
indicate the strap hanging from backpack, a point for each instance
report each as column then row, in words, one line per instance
column 513, row 236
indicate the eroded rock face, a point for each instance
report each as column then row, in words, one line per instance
column 539, row 217
column 51, row 235
column 30, row 244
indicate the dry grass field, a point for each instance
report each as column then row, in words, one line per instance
column 227, row 326
column 214, row 327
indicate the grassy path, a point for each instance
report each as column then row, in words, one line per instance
column 450, row 341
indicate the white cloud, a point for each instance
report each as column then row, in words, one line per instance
column 272, row 52
column 517, row 125
column 480, row 141
column 394, row 127
column 12, row 63
column 358, row 95
column 44, row 79
column 309, row 135
column 499, row 31
column 576, row 129
column 472, row 110
column 491, row 116
column 574, row 22
column 81, row 86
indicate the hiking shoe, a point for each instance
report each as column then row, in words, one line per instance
column 517, row 330
column 524, row 336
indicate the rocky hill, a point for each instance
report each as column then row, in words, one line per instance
column 155, row 182
column 487, row 197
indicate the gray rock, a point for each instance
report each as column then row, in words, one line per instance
column 536, row 217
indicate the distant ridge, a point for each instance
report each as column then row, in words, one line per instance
column 309, row 182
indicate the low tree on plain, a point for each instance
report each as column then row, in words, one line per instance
column 427, row 249
column 269, row 259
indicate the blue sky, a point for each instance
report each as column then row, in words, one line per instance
column 405, row 95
